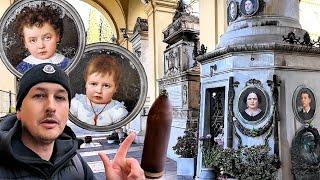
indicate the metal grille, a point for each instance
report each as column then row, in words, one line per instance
column 8, row 101
column 216, row 111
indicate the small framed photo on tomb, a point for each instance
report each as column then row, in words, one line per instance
column 109, row 88
column 37, row 31
column 253, row 104
column 249, row 7
column 304, row 104
column 232, row 11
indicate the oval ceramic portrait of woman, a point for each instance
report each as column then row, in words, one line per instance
column 249, row 7
column 39, row 31
column 253, row 104
column 109, row 88
column 304, row 104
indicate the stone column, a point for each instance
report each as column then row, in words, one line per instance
column 271, row 20
column 213, row 22
column 159, row 14
column 140, row 47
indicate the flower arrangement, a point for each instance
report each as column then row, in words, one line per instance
column 186, row 145
column 253, row 162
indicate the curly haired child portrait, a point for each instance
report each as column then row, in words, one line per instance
column 40, row 29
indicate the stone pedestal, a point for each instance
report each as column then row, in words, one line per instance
column 183, row 93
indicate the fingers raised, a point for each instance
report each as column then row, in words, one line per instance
column 105, row 160
column 136, row 172
column 124, row 147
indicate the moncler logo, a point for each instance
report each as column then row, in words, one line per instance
column 48, row 69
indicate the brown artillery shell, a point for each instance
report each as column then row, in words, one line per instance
column 157, row 137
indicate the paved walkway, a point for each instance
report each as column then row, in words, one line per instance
column 89, row 152
column 90, row 155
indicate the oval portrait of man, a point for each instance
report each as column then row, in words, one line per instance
column 249, row 7
column 232, row 11
column 304, row 104
column 253, row 104
column 109, row 88
column 41, row 31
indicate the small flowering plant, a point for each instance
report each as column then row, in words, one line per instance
column 186, row 145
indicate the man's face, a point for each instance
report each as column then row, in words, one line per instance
column 100, row 88
column 252, row 101
column 248, row 6
column 305, row 100
column 42, row 41
column 44, row 112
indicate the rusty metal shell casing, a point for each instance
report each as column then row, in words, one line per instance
column 157, row 137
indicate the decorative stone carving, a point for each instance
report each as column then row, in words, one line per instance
column 258, row 47
column 184, row 26
column 180, row 10
column 178, row 58
column 184, row 95
column 305, row 154
column 171, row 62
column 274, row 86
column 141, row 25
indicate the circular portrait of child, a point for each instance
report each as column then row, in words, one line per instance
column 253, row 104
column 41, row 31
column 109, row 88
column 304, row 104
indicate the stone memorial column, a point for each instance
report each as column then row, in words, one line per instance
column 264, row 55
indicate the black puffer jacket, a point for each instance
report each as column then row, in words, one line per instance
column 19, row 162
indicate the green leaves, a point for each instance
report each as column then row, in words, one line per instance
column 186, row 145
column 253, row 162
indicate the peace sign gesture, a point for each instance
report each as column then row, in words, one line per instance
column 122, row 168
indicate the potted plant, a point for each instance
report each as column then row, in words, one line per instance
column 186, row 148
column 253, row 162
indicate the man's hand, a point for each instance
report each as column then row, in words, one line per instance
column 122, row 168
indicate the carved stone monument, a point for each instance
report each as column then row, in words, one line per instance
column 252, row 84
column 181, row 73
